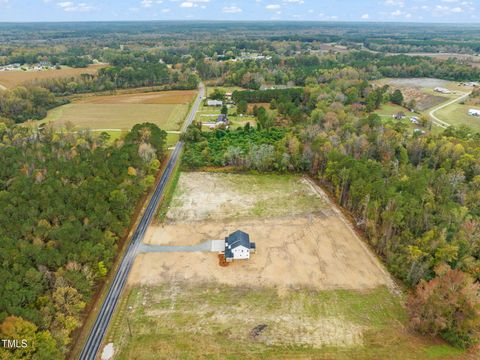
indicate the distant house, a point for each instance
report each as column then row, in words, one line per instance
column 222, row 119
column 238, row 246
column 414, row 120
column 470, row 84
column 474, row 112
column 442, row 90
column 214, row 103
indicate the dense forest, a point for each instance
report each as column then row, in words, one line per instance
column 67, row 200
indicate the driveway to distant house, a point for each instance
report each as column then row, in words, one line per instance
column 202, row 247
column 442, row 123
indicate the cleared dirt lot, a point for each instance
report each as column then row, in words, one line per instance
column 306, row 244
column 10, row 79
column 313, row 290
column 316, row 251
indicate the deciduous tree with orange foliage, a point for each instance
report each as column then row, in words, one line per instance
column 449, row 306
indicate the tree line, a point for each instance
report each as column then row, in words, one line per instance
column 67, row 200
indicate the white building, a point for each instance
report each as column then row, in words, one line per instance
column 238, row 246
column 474, row 112
column 442, row 90
column 214, row 103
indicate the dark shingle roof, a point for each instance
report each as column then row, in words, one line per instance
column 222, row 118
column 236, row 239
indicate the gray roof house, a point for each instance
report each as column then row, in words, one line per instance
column 238, row 246
column 222, row 118
column 214, row 102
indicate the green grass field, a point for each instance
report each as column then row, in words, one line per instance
column 457, row 114
column 180, row 321
column 389, row 109
column 118, row 116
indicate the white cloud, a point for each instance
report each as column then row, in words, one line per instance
column 397, row 3
column 231, row 10
column 272, row 7
column 365, row 16
column 149, row 3
column 193, row 4
column 70, row 6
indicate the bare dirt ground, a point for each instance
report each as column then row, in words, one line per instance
column 313, row 284
column 307, row 243
column 314, row 251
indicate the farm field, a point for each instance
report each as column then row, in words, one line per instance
column 166, row 109
column 10, row 79
column 313, row 289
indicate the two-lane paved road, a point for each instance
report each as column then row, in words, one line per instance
column 107, row 308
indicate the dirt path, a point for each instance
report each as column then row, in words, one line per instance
column 442, row 123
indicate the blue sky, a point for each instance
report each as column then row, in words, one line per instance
column 313, row 10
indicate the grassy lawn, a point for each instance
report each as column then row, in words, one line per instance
column 205, row 113
column 457, row 114
column 389, row 109
column 216, row 322
column 172, row 139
